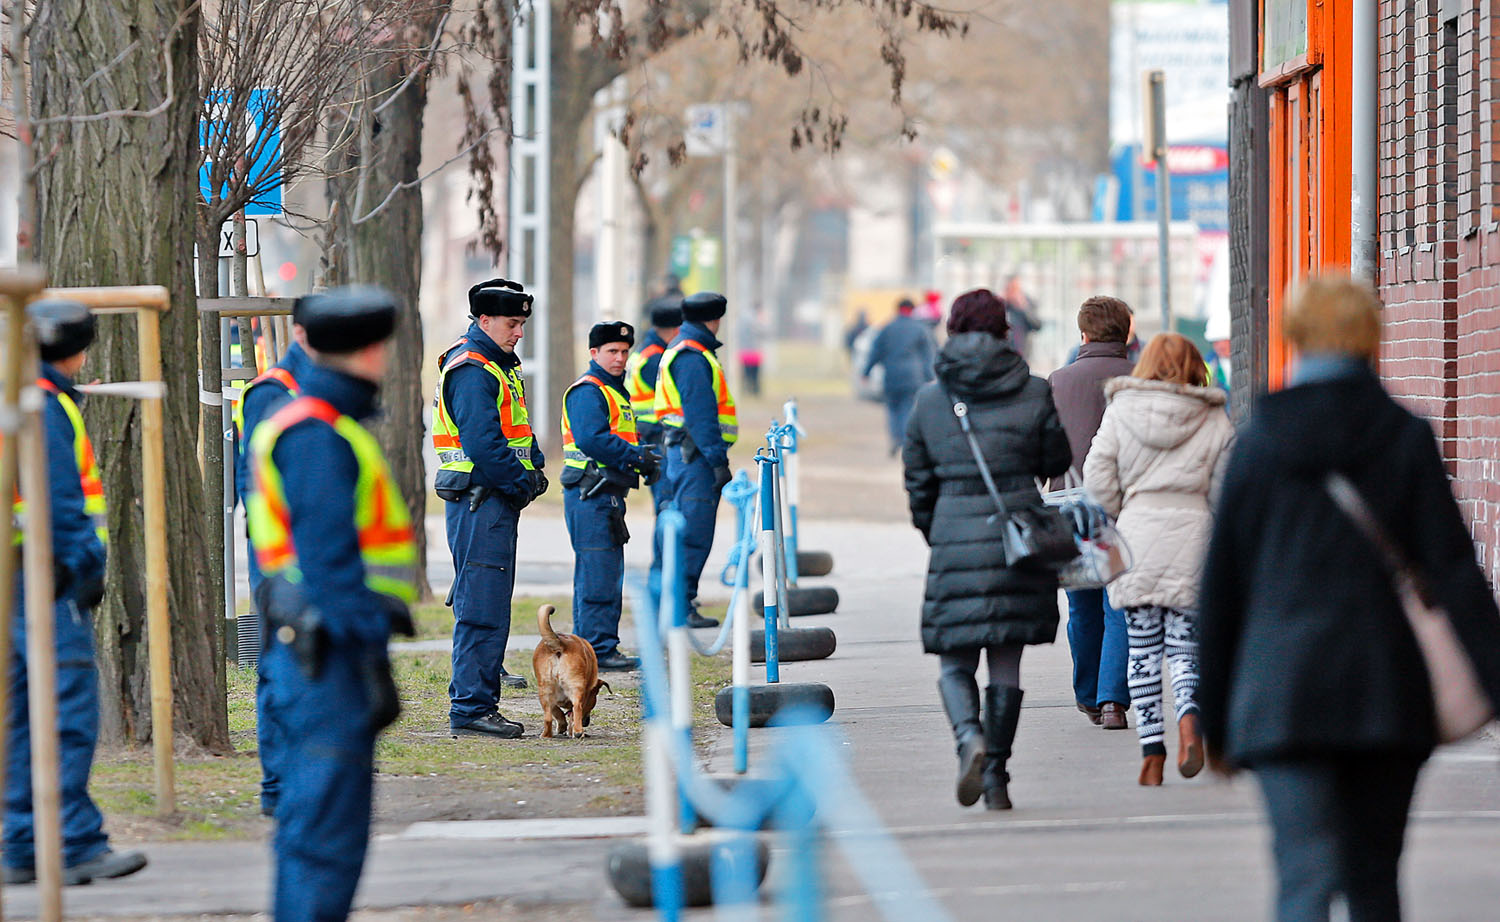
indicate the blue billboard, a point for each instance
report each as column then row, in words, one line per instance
column 1200, row 185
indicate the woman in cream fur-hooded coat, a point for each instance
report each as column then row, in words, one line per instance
column 1155, row 464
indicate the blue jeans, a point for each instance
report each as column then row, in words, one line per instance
column 897, row 412
column 327, row 763
column 598, row 567
column 1100, row 646
column 483, row 543
column 691, row 487
column 77, row 730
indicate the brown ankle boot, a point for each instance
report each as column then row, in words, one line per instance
column 1151, row 770
column 1189, row 745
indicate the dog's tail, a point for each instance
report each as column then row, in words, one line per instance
column 549, row 636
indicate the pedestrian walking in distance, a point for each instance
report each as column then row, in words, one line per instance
column 1155, row 462
column 489, row 469
column 974, row 604
column 1096, row 629
column 904, row 347
column 1312, row 677
column 335, row 545
column 64, row 332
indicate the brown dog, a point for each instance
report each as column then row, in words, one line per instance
column 567, row 678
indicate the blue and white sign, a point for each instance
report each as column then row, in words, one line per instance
column 706, row 133
column 262, row 144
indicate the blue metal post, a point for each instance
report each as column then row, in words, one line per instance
column 770, row 585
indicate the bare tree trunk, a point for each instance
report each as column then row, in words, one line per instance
column 116, row 199
column 386, row 250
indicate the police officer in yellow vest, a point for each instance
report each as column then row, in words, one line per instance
column 334, row 542
column 489, row 469
column 697, row 414
column 64, row 330
column 645, row 367
column 602, row 463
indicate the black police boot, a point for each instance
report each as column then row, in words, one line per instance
column 111, row 864
column 694, row 619
column 511, row 681
column 1002, row 712
column 493, row 725
column 615, row 661
column 72, row 877
column 960, row 696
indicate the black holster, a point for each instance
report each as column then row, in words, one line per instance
column 618, row 532
column 296, row 623
column 681, row 439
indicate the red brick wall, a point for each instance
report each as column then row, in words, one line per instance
column 1439, row 271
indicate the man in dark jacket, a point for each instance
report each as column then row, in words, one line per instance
column 602, row 462
column 490, row 468
column 64, row 330
column 904, row 347
column 1096, row 632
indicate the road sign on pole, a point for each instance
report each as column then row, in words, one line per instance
column 706, row 134
column 261, row 144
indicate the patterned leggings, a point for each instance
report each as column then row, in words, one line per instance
column 1151, row 628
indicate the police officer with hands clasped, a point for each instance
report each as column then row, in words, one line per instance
column 264, row 395
column 334, row 541
column 489, row 469
column 64, row 330
column 602, row 462
column 698, row 418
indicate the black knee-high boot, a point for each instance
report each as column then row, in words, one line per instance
column 960, row 696
column 1002, row 712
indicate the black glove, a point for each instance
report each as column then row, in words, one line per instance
column 398, row 616
column 650, row 466
column 539, row 483
column 521, row 500
column 90, row 593
column 380, row 690
column 722, row 476
column 62, row 579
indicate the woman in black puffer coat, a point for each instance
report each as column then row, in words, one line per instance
column 974, row 601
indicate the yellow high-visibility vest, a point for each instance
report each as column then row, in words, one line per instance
column 515, row 423
column 669, row 398
column 621, row 421
column 386, row 546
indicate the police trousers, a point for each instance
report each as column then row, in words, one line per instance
column 690, row 486
column 598, row 566
column 78, row 731
column 483, row 543
column 327, row 762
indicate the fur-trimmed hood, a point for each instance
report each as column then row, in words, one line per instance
column 1160, row 413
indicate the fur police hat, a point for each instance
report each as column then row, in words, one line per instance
column 613, row 331
column 666, row 312
column 499, row 298
column 704, row 306
column 63, row 328
column 343, row 320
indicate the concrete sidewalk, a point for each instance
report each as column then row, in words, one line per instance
column 1084, row 842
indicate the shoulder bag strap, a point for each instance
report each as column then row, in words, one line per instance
column 961, row 410
column 1347, row 497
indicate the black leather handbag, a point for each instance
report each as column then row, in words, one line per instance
column 1033, row 534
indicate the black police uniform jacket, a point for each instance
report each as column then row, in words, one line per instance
column 973, row 599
